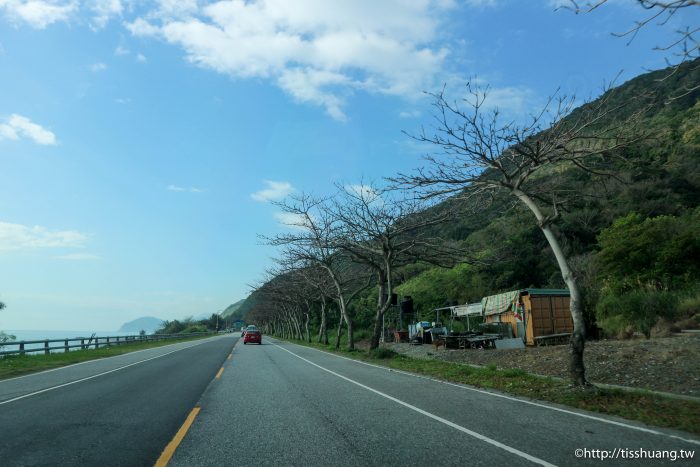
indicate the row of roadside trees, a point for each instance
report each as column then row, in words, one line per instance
column 364, row 234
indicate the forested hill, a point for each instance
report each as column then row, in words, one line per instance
column 236, row 310
column 632, row 239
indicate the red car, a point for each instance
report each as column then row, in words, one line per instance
column 252, row 334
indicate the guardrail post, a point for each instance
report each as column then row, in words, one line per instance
column 82, row 344
column 46, row 347
column 107, row 341
column 117, row 340
column 97, row 339
column 21, row 348
column 66, row 346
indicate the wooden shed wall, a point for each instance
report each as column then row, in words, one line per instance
column 548, row 315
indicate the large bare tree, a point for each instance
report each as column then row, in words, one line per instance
column 479, row 154
column 385, row 230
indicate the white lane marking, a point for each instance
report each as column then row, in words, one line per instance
column 94, row 376
column 95, row 360
column 474, row 434
column 523, row 401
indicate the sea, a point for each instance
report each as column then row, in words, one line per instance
column 24, row 335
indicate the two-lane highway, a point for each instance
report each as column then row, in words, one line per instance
column 116, row 411
column 218, row 402
column 283, row 404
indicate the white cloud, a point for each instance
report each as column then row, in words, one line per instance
column 39, row 13
column 512, row 99
column 481, row 3
column 78, row 257
column 317, row 54
column 561, row 3
column 21, row 237
column 103, row 11
column 141, row 28
column 97, row 67
column 141, row 58
column 275, row 191
column 294, row 221
column 121, row 51
column 17, row 126
column 410, row 114
column 366, row 193
column 182, row 189
column 176, row 8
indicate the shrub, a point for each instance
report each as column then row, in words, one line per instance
column 655, row 252
column 639, row 309
column 195, row 328
column 382, row 353
column 689, row 306
column 5, row 338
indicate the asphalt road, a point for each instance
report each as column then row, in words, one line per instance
column 117, row 411
column 283, row 404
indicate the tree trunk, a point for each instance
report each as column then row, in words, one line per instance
column 297, row 326
column 306, row 326
column 351, row 337
column 577, row 370
column 348, row 322
column 340, row 330
column 383, row 304
column 323, row 331
column 578, row 337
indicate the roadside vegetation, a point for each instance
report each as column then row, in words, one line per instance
column 18, row 365
column 642, row 406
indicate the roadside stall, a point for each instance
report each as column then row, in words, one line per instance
column 537, row 316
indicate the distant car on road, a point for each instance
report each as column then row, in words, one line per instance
column 252, row 334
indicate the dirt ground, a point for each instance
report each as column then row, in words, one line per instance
column 669, row 364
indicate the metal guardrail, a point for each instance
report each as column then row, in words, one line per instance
column 93, row 342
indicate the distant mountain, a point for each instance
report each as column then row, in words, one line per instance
column 231, row 309
column 147, row 323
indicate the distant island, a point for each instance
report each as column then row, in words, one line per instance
column 147, row 323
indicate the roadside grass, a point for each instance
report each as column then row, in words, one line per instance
column 646, row 407
column 18, row 365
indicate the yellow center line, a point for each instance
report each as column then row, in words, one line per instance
column 179, row 436
column 221, row 371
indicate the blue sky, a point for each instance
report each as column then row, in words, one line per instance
column 141, row 141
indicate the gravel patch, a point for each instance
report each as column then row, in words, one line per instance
column 670, row 364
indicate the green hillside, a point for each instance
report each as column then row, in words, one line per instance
column 236, row 311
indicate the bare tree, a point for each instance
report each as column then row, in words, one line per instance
column 322, row 293
column 384, row 230
column 479, row 155
column 314, row 240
